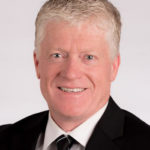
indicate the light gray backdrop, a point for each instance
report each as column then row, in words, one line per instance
column 19, row 89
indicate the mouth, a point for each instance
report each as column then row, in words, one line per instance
column 72, row 90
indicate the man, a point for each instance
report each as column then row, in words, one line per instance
column 76, row 58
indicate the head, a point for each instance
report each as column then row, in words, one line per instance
column 76, row 56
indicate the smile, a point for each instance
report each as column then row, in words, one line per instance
column 75, row 90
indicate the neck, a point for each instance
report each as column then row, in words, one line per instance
column 68, row 124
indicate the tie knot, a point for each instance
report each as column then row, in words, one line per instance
column 64, row 142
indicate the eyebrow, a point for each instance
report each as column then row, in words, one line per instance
column 65, row 51
column 55, row 49
column 89, row 51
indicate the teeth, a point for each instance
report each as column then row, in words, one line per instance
column 71, row 90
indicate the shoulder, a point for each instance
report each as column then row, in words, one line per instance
column 23, row 132
column 135, row 124
column 132, row 125
column 24, row 124
column 3, row 128
column 136, row 132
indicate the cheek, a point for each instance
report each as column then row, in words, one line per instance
column 101, row 84
column 101, row 74
column 49, row 75
column 48, row 70
column 46, row 77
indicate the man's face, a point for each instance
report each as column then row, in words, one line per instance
column 75, row 70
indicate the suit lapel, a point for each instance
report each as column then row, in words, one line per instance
column 100, row 141
column 109, row 127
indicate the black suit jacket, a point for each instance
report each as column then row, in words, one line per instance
column 116, row 130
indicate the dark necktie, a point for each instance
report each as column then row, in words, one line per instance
column 64, row 142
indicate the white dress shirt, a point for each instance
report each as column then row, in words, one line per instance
column 81, row 134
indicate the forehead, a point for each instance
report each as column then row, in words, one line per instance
column 63, row 34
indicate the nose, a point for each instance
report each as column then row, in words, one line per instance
column 71, row 69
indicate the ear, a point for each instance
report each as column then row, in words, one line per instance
column 115, row 67
column 36, row 63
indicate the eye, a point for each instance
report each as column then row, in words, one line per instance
column 56, row 55
column 89, row 57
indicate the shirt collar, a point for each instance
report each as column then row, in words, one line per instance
column 53, row 131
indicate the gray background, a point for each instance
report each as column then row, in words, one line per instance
column 19, row 89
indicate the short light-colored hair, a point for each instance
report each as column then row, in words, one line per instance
column 102, row 12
